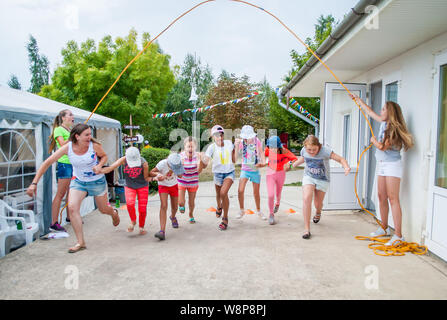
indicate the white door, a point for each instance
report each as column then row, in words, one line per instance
column 344, row 132
column 436, row 237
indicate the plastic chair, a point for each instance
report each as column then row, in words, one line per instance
column 29, row 226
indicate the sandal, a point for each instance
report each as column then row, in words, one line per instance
column 218, row 212
column 76, row 248
column 306, row 235
column 131, row 226
column 174, row 222
column 181, row 209
column 223, row 226
column 317, row 217
column 191, row 220
column 116, row 218
column 142, row 231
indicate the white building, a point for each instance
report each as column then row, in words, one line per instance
column 387, row 50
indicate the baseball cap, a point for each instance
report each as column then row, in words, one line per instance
column 133, row 157
column 217, row 129
column 274, row 142
column 175, row 163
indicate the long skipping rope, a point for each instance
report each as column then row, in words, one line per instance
column 399, row 247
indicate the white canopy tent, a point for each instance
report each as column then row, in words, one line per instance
column 25, row 125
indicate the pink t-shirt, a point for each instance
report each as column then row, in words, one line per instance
column 250, row 154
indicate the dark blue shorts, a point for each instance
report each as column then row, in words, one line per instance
column 64, row 171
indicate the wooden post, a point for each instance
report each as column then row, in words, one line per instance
column 131, row 126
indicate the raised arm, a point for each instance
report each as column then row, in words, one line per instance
column 369, row 111
column 44, row 167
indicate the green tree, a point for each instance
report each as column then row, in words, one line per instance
column 234, row 116
column 192, row 72
column 14, row 82
column 39, row 66
column 87, row 71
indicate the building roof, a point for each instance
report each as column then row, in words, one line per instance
column 22, row 105
column 401, row 26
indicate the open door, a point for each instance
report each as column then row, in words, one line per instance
column 436, row 235
column 344, row 133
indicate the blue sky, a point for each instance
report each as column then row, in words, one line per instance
column 224, row 34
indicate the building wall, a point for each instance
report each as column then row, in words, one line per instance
column 414, row 70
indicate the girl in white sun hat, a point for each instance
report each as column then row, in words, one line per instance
column 253, row 158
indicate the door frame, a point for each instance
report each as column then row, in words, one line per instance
column 441, row 251
column 326, row 126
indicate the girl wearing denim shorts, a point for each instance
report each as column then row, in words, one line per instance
column 316, row 177
column 222, row 154
column 253, row 158
column 64, row 170
column 87, row 157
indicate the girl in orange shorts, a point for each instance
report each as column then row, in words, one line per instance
column 190, row 179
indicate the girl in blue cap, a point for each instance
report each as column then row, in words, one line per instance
column 279, row 161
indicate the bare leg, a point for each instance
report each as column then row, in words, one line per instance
column 308, row 192
column 76, row 198
column 256, row 194
column 383, row 199
column 392, row 188
column 62, row 190
column 224, row 196
column 174, row 205
column 181, row 198
column 104, row 208
column 241, row 191
column 191, row 202
column 163, row 209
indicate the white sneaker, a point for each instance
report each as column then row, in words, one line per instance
column 240, row 214
column 261, row 215
column 380, row 232
column 394, row 238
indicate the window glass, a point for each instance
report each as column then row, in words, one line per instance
column 441, row 151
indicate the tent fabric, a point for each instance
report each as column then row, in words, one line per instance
column 25, row 106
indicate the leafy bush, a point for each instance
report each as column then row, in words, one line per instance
column 154, row 156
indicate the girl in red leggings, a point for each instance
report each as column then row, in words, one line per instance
column 137, row 175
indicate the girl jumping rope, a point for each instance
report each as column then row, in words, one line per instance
column 316, row 177
column 137, row 176
column 279, row 161
column 252, row 158
column 393, row 136
column 190, row 179
column 223, row 155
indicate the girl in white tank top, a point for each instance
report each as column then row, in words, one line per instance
column 83, row 164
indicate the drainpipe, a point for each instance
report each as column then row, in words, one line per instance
column 296, row 113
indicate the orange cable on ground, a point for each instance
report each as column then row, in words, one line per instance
column 402, row 246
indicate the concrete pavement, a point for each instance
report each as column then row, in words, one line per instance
column 251, row 260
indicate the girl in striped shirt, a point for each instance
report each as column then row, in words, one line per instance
column 190, row 179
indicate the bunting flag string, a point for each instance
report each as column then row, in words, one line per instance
column 170, row 114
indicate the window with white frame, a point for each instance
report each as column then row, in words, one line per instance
column 17, row 166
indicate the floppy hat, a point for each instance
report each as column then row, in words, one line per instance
column 133, row 157
column 217, row 129
column 247, row 132
column 274, row 142
column 175, row 163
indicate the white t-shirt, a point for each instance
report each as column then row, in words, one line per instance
column 169, row 181
column 222, row 157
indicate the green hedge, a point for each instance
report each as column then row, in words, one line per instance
column 154, row 156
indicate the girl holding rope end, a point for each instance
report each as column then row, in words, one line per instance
column 393, row 136
column 87, row 157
